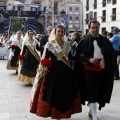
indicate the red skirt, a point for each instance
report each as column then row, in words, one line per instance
column 43, row 109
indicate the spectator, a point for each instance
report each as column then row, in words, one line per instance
column 44, row 40
column 105, row 33
column 115, row 41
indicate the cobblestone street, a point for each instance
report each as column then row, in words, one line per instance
column 15, row 100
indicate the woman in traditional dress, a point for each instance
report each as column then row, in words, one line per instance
column 29, row 58
column 3, row 49
column 54, row 91
column 15, row 49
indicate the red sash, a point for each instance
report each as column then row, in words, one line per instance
column 95, row 67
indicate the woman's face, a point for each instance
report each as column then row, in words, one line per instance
column 59, row 33
column 31, row 34
column 19, row 34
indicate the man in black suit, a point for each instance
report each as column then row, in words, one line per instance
column 44, row 39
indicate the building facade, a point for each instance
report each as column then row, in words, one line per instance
column 69, row 10
column 48, row 12
column 107, row 12
column 74, row 10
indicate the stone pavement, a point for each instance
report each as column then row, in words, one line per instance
column 15, row 99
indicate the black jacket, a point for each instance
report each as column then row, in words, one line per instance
column 86, row 48
column 43, row 41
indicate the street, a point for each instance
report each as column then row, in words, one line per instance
column 15, row 100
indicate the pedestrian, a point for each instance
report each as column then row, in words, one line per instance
column 115, row 41
column 105, row 33
column 96, row 54
column 28, row 58
column 55, row 92
column 109, row 35
column 75, row 38
column 75, row 62
column 44, row 39
column 15, row 48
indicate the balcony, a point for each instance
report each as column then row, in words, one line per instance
column 113, row 2
column 86, row 21
column 95, row 6
column 87, row 8
column 103, row 18
column 113, row 17
column 104, row 4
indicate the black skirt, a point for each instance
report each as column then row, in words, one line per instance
column 60, row 86
column 14, row 59
column 30, row 64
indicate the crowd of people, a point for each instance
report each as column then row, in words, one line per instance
column 65, row 72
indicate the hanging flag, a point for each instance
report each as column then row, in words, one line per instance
column 64, row 21
column 17, row 24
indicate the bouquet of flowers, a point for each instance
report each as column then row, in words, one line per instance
column 21, row 57
column 43, row 68
column 12, row 45
column 46, row 62
column 0, row 44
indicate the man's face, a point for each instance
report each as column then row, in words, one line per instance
column 94, row 29
column 113, row 32
column 49, row 30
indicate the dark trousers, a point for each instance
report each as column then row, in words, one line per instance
column 116, row 67
column 95, row 85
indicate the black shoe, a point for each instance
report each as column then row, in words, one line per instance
column 116, row 78
column 89, row 115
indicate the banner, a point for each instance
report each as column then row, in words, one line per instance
column 17, row 24
column 64, row 21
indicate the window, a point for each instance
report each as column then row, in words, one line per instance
column 91, row 15
column 95, row 4
column 87, row 5
column 95, row 15
column 103, row 29
column 108, row 1
column 104, row 16
column 77, row 8
column 87, row 17
column 114, row 2
column 77, row 18
column 55, row 8
column 70, row 17
column 113, row 16
column 70, row 8
column 104, row 3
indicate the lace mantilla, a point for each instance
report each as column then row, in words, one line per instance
column 31, row 44
column 65, row 48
